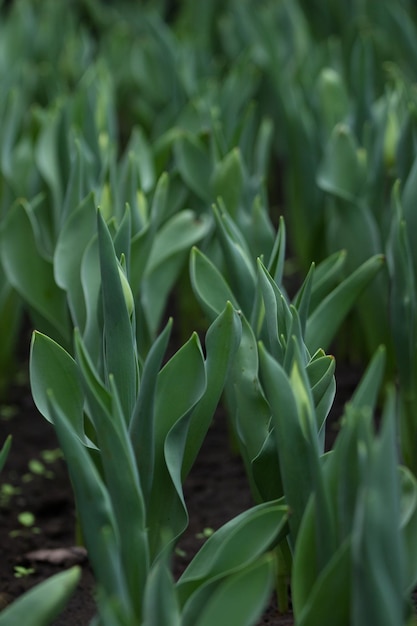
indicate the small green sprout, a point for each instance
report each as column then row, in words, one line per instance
column 36, row 467
column 181, row 553
column 21, row 572
column 205, row 533
column 7, row 491
column 51, row 456
column 26, row 518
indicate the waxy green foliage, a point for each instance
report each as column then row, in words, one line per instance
column 145, row 426
column 178, row 125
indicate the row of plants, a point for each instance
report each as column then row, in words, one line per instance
column 140, row 154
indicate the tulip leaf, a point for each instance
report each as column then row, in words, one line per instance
column 52, row 368
column 325, row 320
column 43, row 603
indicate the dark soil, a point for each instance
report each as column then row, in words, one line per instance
column 215, row 491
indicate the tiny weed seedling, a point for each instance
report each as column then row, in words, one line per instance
column 22, row 572
column 27, row 520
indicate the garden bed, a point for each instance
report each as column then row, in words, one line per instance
column 215, row 492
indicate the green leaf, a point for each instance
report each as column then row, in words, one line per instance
column 366, row 393
column 340, row 172
column 325, row 320
column 194, row 164
column 120, row 356
column 237, row 544
column 239, row 601
column 378, row 556
column 227, row 181
column 221, row 343
column 42, row 604
column 408, row 525
column 94, row 508
column 47, row 158
column 334, row 100
column 294, row 449
column 73, row 238
column 52, row 368
column 209, row 286
column 277, row 259
column 328, row 601
column 237, row 260
column 29, row 273
column 91, row 283
column 146, row 168
column 160, row 601
column 181, row 384
column 122, row 479
column 252, row 414
column 167, row 257
column 326, row 277
column 141, row 427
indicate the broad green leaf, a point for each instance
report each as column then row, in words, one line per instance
column 378, row 556
column 141, row 427
column 239, row 601
column 120, row 356
column 262, row 152
column 194, row 164
column 227, row 181
column 326, row 276
column 209, row 286
column 252, row 413
column 73, row 238
column 167, row 257
column 221, row 343
column 160, row 205
column 144, row 159
column 294, row 449
column 29, row 273
column 274, row 302
column 53, row 369
column 47, row 158
column 91, row 284
column 235, row 545
column 266, row 471
column 160, row 601
column 94, row 508
column 366, row 393
column 75, row 186
column 120, row 471
column 237, row 261
column 302, row 300
column 340, row 172
column 258, row 230
column 334, row 99
column 178, row 234
column 403, row 304
column 320, row 371
column 181, row 384
column 42, row 604
column 325, row 320
column 328, row 600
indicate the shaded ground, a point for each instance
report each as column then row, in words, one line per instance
column 35, row 481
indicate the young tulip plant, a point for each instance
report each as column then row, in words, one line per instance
column 354, row 558
column 130, row 436
column 293, row 333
